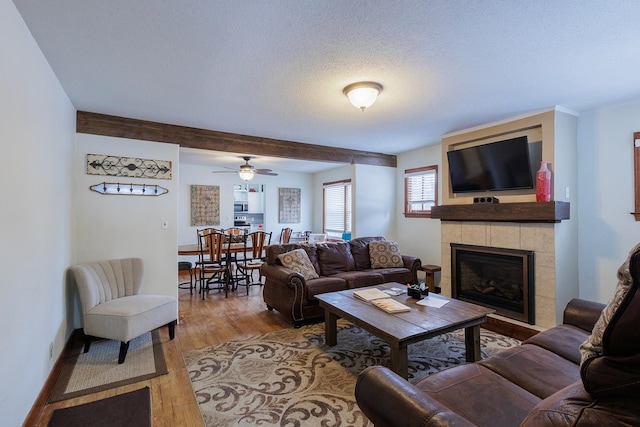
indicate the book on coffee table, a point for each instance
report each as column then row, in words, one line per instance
column 370, row 294
column 390, row 305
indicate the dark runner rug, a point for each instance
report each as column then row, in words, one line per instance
column 291, row 378
column 131, row 409
column 97, row 370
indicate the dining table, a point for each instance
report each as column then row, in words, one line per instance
column 194, row 249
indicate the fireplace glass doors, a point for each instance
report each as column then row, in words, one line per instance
column 499, row 278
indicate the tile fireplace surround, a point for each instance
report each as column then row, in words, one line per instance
column 518, row 221
column 537, row 237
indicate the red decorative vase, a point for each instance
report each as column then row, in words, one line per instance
column 543, row 183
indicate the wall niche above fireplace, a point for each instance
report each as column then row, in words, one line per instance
column 499, row 278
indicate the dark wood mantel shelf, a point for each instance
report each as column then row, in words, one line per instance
column 504, row 212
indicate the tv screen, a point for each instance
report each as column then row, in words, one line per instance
column 497, row 166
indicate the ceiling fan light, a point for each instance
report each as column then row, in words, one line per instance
column 246, row 175
column 362, row 94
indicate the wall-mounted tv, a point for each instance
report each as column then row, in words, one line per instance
column 497, row 166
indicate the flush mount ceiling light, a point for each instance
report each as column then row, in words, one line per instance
column 362, row 94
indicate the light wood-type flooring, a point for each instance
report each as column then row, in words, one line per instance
column 201, row 323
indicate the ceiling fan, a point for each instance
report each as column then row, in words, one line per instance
column 247, row 171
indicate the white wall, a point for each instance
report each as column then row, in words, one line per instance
column 607, row 230
column 37, row 130
column 114, row 226
column 418, row 236
column 201, row 175
column 373, row 197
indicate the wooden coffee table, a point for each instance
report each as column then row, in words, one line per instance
column 401, row 329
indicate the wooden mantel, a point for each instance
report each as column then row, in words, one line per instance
column 504, row 212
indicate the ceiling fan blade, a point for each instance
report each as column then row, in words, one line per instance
column 265, row 172
column 230, row 171
column 262, row 170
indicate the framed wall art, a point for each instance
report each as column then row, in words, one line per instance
column 289, row 205
column 205, row 205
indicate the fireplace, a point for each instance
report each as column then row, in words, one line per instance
column 499, row 278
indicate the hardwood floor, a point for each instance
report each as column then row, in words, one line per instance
column 202, row 323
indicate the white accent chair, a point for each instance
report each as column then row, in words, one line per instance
column 112, row 306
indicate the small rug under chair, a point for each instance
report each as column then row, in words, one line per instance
column 131, row 409
column 98, row 369
column 291, row 378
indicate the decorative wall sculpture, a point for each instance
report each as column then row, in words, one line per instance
column 205, row 205
column 289, row 205
column 101, row 164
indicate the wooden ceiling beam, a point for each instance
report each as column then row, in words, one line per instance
column 122, row 127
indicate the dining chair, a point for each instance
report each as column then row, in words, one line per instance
column 233, row 231
column 213, row 261
column 285, row 235
column 252, row 259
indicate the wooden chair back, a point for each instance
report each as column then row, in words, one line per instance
column 258, row 239
column 285, row 235
column 213, row 245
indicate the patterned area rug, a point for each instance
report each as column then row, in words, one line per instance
column 97, row 370
column 291, row 378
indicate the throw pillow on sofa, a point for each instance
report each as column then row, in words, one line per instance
column 385, row 254
column 298, row 260
column 610, row 364
column 592, row 347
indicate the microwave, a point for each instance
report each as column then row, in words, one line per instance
column 240, row 206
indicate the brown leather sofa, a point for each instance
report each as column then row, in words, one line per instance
column 340, row 265
column 539, row 383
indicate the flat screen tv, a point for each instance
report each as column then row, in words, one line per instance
column 497, row 166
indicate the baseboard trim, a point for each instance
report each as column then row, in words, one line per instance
column 38, row 406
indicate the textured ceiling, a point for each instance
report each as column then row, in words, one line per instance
column 277, row 68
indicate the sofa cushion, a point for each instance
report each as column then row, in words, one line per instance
column 563, row 340
column 334, row 257
column 479, row 395
column 396, row 274
column 274, row 250
column 359, row 279
column 324, row 284
column 533, row 368
column 611, row 355
column 360, row 251
column 573, row 406
column 298, row 260
column 385, row 254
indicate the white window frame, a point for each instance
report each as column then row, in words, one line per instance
column 420, row 191
column 340, row 193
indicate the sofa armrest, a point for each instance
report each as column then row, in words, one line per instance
column 389, row 400
column 281, row 274
column 413, row 264
column 582, row 314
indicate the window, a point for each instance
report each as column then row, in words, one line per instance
column 336, row 208
column 420, row 191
